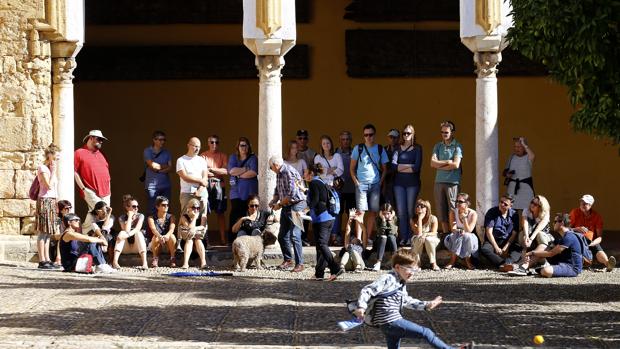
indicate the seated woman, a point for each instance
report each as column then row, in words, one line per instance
column 255, row 221
column 351, row 255
column 535, row 234
column 103, row 220
column 64, row 208
column 73, row 244
column 131, row 238
column 462, row 242
column 424, row 227
column 162, row 225
column 387, row 231
column 192, row 233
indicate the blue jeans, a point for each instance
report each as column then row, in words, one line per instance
column 405, row 197
column 153, row 193
column 401, row 328
column 291, row 234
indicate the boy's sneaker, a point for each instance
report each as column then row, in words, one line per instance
column 305, row 217
column 611, row 263
column 359, row 268
column 377, row 266
column 105, row 269
column 520, row 271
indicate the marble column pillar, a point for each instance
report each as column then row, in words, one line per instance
column 63, row 118
column 269, row 122
column 487, row 175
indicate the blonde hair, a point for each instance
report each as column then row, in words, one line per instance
column 191, row 203
column 51, row 149
column 426, row 204
column 545, row 208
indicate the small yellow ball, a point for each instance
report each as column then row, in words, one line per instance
column 539, row 339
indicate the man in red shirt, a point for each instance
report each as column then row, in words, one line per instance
column 588, row 222
column 92, row 173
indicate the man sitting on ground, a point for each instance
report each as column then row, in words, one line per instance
column 588, row 222
column 501, row 224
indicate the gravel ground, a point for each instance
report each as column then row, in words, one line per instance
column 272, row 309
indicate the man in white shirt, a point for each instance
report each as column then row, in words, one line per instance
column 193, row 174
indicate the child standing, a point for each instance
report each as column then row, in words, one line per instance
column 387, row 314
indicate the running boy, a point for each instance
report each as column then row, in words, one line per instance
column 387, row 314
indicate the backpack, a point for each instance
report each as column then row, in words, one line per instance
column 35, row 188
column 84, row 264
column 333, row 199
column 585, row 249
column 370, row 309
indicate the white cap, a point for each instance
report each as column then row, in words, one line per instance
column 588, row 199
column 94, row 133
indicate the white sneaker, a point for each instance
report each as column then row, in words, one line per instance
column 105, row 269
column 305, row 217
column 377, row 266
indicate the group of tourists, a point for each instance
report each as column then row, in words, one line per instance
column 377, row 188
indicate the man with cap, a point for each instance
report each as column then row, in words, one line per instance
column 588, row 222
column 92, row 172
column 387, row 191
column 306, row 153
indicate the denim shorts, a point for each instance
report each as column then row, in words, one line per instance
column 563, row 270
column 367, row 197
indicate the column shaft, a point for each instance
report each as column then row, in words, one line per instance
column 269, row 122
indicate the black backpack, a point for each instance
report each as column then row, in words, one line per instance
column 361, row 147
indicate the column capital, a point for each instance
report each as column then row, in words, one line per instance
column 62, row 70
column 486, row 63
column 269, row 68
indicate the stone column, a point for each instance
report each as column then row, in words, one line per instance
column 269, row 121
column 62, row 114
column 487, row 176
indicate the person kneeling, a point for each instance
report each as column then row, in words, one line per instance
column 565, row 258
column 73, row 244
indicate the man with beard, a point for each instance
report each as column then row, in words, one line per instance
column 92, row 172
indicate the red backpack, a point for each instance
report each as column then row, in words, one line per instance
column 35, row 187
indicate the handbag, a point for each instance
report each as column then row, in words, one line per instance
column 35, row 188
column 338, row 181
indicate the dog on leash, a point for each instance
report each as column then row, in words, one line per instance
column 247, row 249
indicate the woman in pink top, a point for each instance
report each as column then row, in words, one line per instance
column 47, row 209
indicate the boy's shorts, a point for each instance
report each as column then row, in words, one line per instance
column 563, row 270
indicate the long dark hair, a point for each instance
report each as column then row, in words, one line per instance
column 331, row 145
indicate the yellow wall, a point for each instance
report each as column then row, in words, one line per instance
column 567, row 164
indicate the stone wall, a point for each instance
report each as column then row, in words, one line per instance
column 25, row 112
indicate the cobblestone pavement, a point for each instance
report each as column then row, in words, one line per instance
column 271, row 309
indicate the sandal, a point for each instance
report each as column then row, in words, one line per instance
column 173, row 262
column 448, row 267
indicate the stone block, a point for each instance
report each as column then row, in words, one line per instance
column 42, row 131
column 9, row 226
column 7, row 184
column 16, row 208
column 28, row 226
column 12, row 160
column 23, row 181
column 33, row 159
column 16, row 134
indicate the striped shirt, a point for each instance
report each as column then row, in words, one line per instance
column 286, row 186
column 387, row 309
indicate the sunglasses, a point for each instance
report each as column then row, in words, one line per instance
column 100, row 140
column 557, row 220
column 420, row 206
column 445, row 133
column 369, row 134
column 196, row 208
column 505, row 203
column 135, row 206
column 74, row 220
column 242, row 145
column 160, row 139
column 460, row 201
column 407, row 133
column 67, row 208
column 253, row 206
column 214, row 142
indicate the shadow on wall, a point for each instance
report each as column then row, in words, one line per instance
column 197, row 310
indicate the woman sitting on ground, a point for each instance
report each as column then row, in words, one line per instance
column 424, row 227
column 535, row 234
column 192, row 233
column 162, row 225
column 73, row 244
column 462, row 242
column 131, row 238
column 387, row 231
column 255, row 221
column 64, row 208
column 103, row 220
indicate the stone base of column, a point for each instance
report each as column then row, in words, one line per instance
column 18, row 248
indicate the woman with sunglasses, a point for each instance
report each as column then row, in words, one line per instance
column 73, row 244
column 162, row 225
column 192, row 233
column 254, row 222
column 462, row 242
column 535, row 232
column 424, row 226
column 407, row 161
column 243, row 170
column 64, row 208
column 131, row 238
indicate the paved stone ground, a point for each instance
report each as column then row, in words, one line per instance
column 272, row 309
